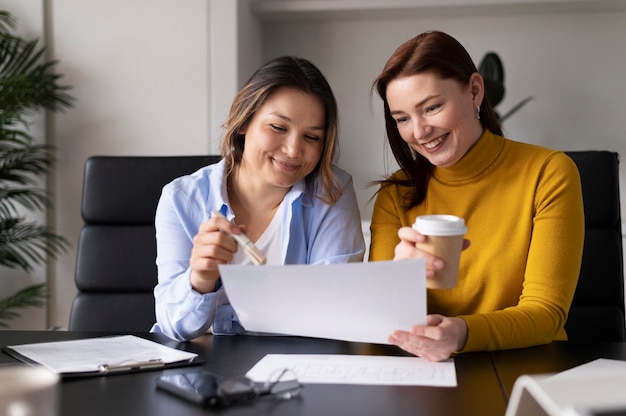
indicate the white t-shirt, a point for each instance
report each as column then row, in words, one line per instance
column 268, row 242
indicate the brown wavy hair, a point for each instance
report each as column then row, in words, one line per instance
column 285, row 71
column 441, row 54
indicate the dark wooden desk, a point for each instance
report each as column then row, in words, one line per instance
column 551, row 358
column 478, row 391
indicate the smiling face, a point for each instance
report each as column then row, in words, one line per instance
column 436, row 117
column 284, row 139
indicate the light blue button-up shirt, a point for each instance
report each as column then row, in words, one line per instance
column 312, row 232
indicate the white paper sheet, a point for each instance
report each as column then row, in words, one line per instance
column 357, row 369
column 360, row 302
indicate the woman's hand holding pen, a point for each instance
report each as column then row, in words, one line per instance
column 211, row 247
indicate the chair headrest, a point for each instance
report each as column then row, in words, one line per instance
column 126, row 189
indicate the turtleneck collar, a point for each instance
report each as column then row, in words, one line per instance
column 480, row 156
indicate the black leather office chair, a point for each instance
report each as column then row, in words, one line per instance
column 597, row 312
column 115, row 267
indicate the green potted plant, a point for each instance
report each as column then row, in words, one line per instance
column 28, row 84
column 492, row 71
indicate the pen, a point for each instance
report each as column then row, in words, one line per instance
column 139, row 365
column 244, row 242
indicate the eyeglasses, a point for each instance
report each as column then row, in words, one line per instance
column 282, row 384
column 204, row 387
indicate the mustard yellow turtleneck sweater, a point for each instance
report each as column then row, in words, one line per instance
column 523, row 208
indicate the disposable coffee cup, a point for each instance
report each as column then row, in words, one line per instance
column 444, row 239
column 28, row 391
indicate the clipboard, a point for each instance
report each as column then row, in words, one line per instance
column 100, row 356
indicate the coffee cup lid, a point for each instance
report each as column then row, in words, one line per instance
column 440, row 225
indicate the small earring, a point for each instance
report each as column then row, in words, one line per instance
column 478, row 113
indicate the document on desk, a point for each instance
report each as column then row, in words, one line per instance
column 100, row 355
column 357, row 369
column 359, row 302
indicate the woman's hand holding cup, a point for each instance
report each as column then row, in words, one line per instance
column 438, row 239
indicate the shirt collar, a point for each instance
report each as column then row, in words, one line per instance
column 218, row 196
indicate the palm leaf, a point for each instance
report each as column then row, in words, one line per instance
column 28, row 83
column 11, row 199
column 12, row 125
column 6, row 21
column 23, row 244
column 18, row 53
column 31, row 296
column 20, row 164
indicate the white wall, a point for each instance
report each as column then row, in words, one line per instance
column 140, row 74
column 572, row 63
column 145, row 75
column 139, row 71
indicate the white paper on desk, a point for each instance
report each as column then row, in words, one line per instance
column 359, row 302
column 357, row 369
column 86, row 355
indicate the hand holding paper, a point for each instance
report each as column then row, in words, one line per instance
column 361, row 302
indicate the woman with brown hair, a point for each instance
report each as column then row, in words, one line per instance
column 522, row 205
column 276, row 182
